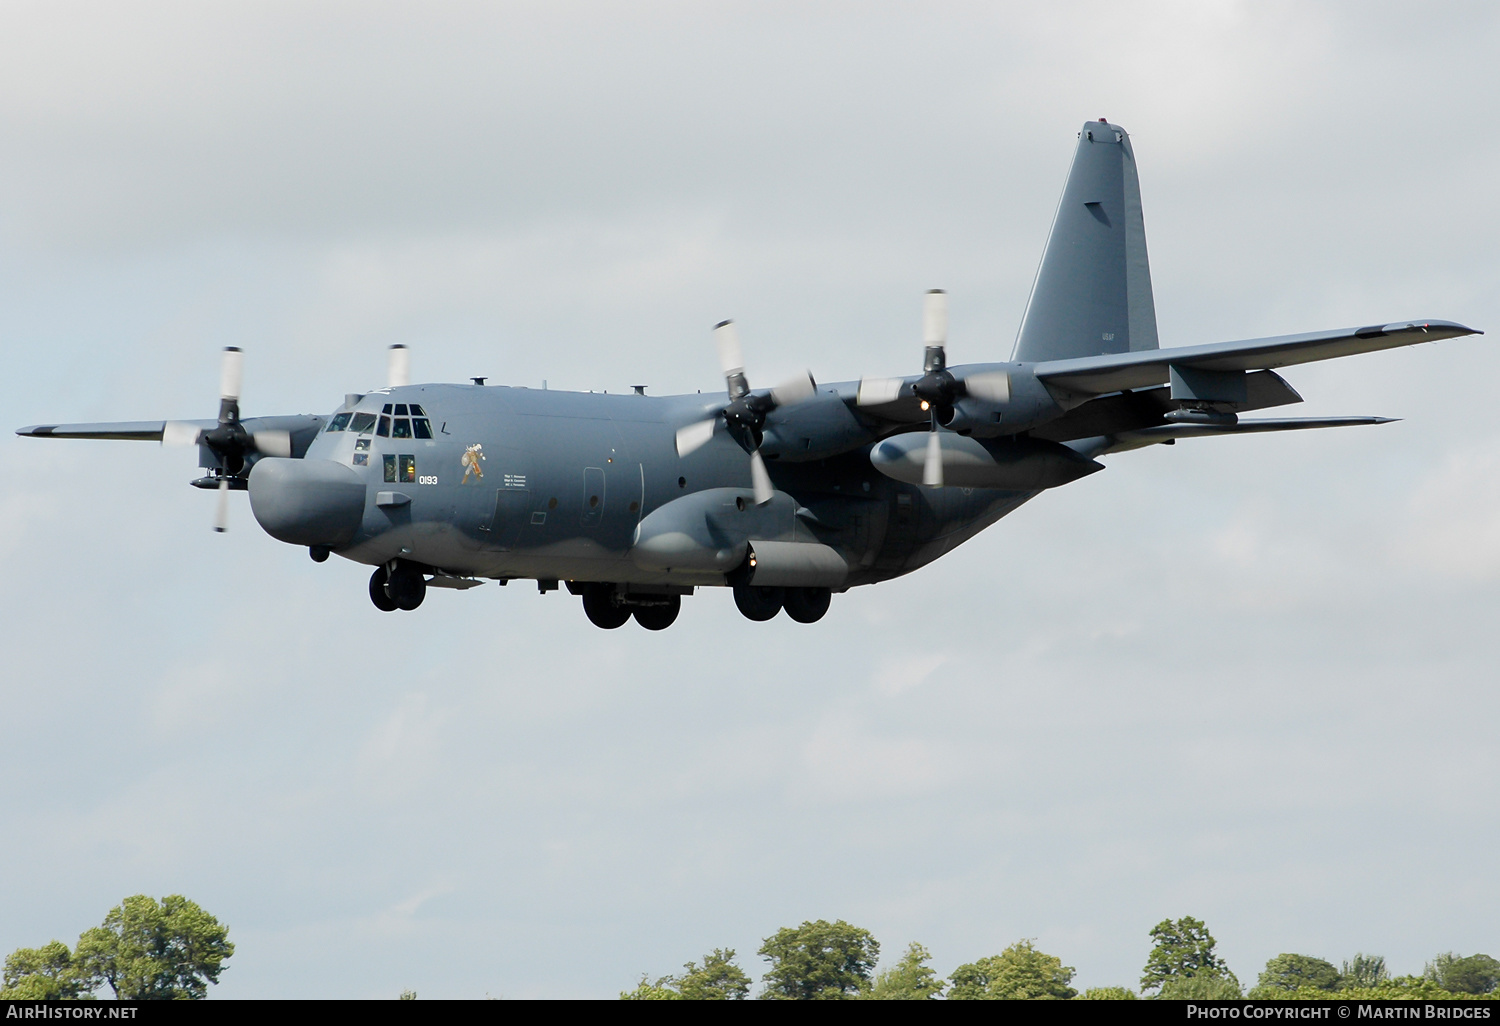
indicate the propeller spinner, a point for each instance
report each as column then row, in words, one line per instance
column 744, row 416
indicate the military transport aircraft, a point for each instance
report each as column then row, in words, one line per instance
column 787, row 494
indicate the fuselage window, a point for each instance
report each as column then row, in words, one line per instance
column 363, row 422
column 390, row 468
column 384, row 430
column 401, row 429
column 339, row 422
column 420, row 428
column 408, row 469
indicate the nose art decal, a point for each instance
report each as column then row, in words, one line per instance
column 470, row 461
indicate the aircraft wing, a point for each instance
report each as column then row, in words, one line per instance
column 1116, row 372
column 128, row 430
column 299, row 430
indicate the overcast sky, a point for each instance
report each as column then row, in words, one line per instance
column 1250, row 680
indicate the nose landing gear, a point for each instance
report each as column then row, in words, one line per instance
column 383, row 602
column 402, row 588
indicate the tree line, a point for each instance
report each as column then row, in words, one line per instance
column 837, row 961
column 144, row 950
column 148, row 949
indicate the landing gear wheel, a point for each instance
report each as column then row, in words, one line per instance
column 659, row 618
column 407, row 588
column 599, row 605
column 377, row 591
column 807, row 605
column 759, row 603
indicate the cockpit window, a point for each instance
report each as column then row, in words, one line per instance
column 363, row 423
column 401, row 428
column 420, row 427
column 339, row 422
column 400, row 409
column 384, row 430
column 386, row 408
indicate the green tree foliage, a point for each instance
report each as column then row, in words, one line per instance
column 1476, row 974
column 1018, row 972
column 718, row 979
column 1107, row 994
column 41, row 974
column 910, row 979
column 664, row 989
column 1400, row 988
column 819, row 961
column 1183, row 948
column 1205, row 987
column 151, row 950
column 1363, row 971
column 1296, row 972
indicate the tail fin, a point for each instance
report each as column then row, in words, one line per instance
column 1092, row 293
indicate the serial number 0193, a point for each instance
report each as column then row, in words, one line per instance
column 427, row 479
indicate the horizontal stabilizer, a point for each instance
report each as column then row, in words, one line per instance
column 1126, row 440
column 1097, row 375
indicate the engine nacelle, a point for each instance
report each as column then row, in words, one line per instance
column 803, row 564
column 708, row 531
column 1012, row 464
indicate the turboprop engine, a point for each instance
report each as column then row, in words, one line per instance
column 723, row 531
column 1011, row 463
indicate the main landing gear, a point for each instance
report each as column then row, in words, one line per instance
column 607, row 607
column 402, row 588
column 805, row 605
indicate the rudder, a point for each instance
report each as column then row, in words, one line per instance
column 1092, row 293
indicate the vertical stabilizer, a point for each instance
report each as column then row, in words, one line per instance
column 1093, row 291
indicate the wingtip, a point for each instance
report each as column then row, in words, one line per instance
column 36, row 430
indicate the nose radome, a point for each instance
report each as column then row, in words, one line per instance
column 307, row 502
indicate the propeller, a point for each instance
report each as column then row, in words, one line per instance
column 398, row 367
column 744, row 416
column 937, row 390
column 228, row 440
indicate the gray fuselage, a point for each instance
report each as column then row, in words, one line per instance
column 560, row 482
